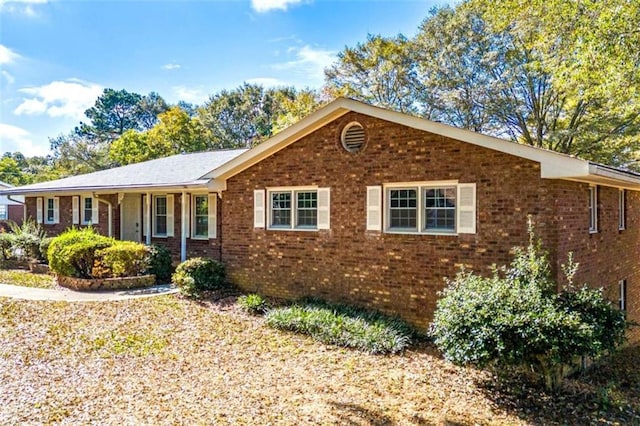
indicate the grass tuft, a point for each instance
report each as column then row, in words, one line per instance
column 343, row 325
column 253, row 304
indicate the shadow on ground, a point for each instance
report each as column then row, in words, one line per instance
column 607, row 393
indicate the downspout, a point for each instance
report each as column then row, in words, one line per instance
column 109, row 215
column 24, row 207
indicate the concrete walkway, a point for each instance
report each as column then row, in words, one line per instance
column 28, row 293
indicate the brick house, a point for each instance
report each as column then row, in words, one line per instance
column 360, row 204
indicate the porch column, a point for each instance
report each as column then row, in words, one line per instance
column 185, row 226
column 147, row 218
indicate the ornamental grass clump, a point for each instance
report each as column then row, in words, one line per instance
column 343, row 325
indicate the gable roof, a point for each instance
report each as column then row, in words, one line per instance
column 176, row 171
column 554, row 165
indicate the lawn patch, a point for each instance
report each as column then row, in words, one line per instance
column 343, row 325
column 26, row 279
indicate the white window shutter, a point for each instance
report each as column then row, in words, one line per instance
column 258, row 208
column 324, row 208
column 213, row 213
column 374, row 208
column 56, row 209
column 466, row 208
column 39, row 208
column 75, row 210
column 95, row 211
column 169, row 215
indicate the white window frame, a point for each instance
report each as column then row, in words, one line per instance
column 421, row 188
column 83, row 210
column 293, row 190
column 55, row 209
column 622, row 295
column 593, row 209
column 4, row 212
column 194, row 236
column 154, row 215
column 622, row 206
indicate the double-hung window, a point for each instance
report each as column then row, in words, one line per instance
column 203, row 216
column 160, row 216
column 593, row 209
column 293, row 209
column 88, row 210
column 51, row 210
column 4, row 215
column 425, row 208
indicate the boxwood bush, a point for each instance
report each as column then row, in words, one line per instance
column 73, row 253
column 199, row 274
column 159, row 263
column 343, row 325
column 122, row 259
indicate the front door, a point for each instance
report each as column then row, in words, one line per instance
column 130, row 217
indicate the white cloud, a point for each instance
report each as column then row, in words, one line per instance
column 171, row 66
column 308, row 62
column 25, row 7
column 268, row 81
column 68, row 98
column 192, row 95
column 13, row 138
column 7, row 56
column 7, row 76
column 267, row 5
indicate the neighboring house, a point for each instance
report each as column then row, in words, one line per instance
column 360, row 204
column 11, row 207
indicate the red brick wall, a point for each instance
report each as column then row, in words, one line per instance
column 403, row 273
column 15, row 213
column 206, row 248
column 607, row 256
column 393, row 273
column 66, row 215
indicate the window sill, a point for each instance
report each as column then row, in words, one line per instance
column 200, row 238
column 433, row 233
column 159, row 236
column 294, row 229
column 593, row 231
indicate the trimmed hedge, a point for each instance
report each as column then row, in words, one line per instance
column 72, row 253
column 122, row 259
column 343, row 325
column 195, row 275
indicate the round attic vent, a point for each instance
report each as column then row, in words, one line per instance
column 353, row 137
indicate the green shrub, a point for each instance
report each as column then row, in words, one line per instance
column 343, row 325
column 121, row 259
column 253, row 304
column 198, row 274
column 159, row 263
column 516, row 318
column 7, row 242
column 44, row 249
column 73, row 253
column 27, row 238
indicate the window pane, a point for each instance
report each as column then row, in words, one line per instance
column 403, row 208
column 307, row 212
column 161, row 225
column 201, row 216
column 440, row 209
column 3, row 212
column 87, row 210
column 161, row 205
column 281, row 209
column 50, row 210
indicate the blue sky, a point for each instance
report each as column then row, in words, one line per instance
column 57, row 56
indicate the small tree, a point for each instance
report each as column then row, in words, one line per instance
column 515, row 317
